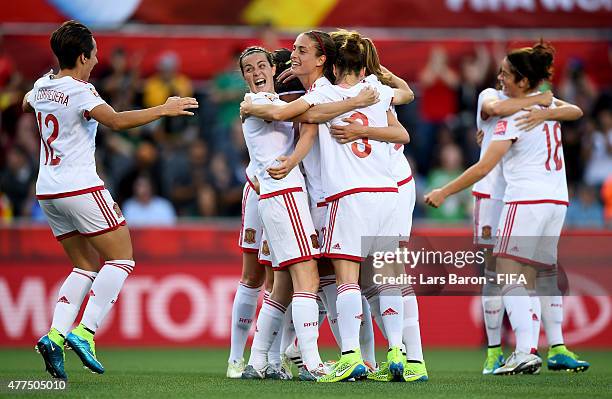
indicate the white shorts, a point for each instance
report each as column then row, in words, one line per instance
column 87, row 214
column 404, row 209
column 529, row 233
column 367, row 215
column 487, row 212
column 251, row 229
column 288, row 228
column 318, row 214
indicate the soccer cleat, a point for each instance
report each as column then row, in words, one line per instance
column 81, row 341
column 495, row 359
column 314, row 375
column 251, row 373
column 395, row 360
column 561, row 358
column 415, row 372
column 286, row 366
column 520, row 363
column 382, row 374
column 235, row 368
column 51, row 348
column 350, row 366
column 294, row 354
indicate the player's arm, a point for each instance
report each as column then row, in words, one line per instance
column 324, row 112
column 174, row 106
column 495, row 107
column 25, row 105
column 474, row 173
column 354, row 130
column 563, row 111
column 308, row 135
column 402, row 93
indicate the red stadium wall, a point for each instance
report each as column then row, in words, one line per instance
column 181, row 292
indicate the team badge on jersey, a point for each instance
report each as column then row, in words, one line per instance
column 500, row 128
column 249, row 236
column 486, row 232
column 117, row 210
column 315, row 241
column 265, row 249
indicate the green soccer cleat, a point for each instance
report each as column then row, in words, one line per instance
column 395, row 360
column 81, row 341
column 235, row 368
column 561, row 358
column 495, row 359
column 415, row 372
column 51, row 348
column 350, row 366
column 382, row 374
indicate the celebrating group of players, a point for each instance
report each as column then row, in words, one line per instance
column 315, row 225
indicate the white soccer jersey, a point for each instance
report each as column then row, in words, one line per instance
column 68, row 136
column 266, row 141
column 534, row 167
column 360, row 166
column 312, row 161
column 493, row 184
column 400, row 167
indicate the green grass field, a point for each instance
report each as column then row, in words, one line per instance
column 160, row 373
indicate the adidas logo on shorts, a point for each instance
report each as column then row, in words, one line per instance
column 337, row 246
column 63, row 300
column 389, row 312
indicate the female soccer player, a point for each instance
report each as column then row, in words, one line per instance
column 535, row 199
column 81, row 212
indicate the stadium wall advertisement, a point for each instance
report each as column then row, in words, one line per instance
column 181, row 293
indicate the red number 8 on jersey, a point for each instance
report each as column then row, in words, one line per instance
column 367, row 147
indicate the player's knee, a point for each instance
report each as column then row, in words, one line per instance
column 252, row 279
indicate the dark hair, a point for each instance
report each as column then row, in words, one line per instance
column 282, row 60
column 69, row 41
column 371, row 59
column 324, row 45
column 533, row 63
column 351, row 53
column 252, row 50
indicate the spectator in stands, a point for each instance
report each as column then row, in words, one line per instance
column 226, row 185
column 599, row 150
column 146, row 162
column 451, row 166
column 438, row 83
column 577, row 87
column 606, row 196
column 120, row 82
column 166, row 82
column 584, row 209
column 226, row 92
column 474, row 72
column 16, row 178
column 147, row 209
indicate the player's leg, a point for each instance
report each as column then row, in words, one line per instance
column 330, row 293
column 247, row 293
column 559, row 356
column 486, row 219
column 74, row 289
column 366, row 337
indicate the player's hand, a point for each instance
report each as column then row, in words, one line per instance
column 479, row 137
column 343, row 134
column 282, row 167
column 546, row 98
column 366, row 97
column 531, row 118
column 176, row 106
column 286, row 76
column 435, row 198
column 245, row 108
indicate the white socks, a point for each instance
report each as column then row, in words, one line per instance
column 366, row 334
column 411, row 336
column 552, row 318
column 243, row 314
column 306, row 323
column 350, row 314
column 105, row 290
column 492, row 309
column 330, row 292
column 536, row 315
column 269, row 323
column 518, row 306
column 70, row 298
column 392, row 313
